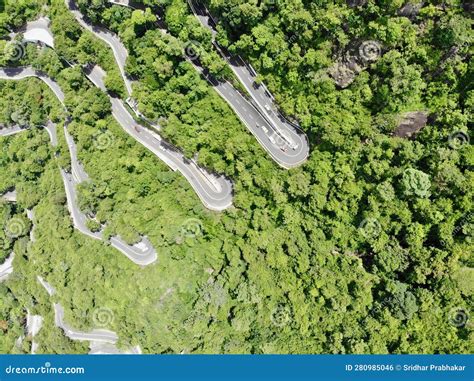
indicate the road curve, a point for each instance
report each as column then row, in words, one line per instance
column 143, row 253
column 270, row 139
column 214, row 192
column 7, row 131
column 18, row 73
column 50, row 129
column 291, row 137
column 111, row 39
column 38, row 30
column 274, row 142
column 102, row 341
column 94, row 335
column 79, row 219
column 6, row 268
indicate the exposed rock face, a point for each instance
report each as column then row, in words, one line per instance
column 342, row 74
column 468, row 6
column 410, row 10
column 356, row 59
column 356, row 3
column 411, row 124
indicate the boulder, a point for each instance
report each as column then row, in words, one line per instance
column 411, row 123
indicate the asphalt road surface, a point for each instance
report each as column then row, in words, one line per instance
column 49, row 289
column 142, row 254
column 79, row 219
column 141, row 257
column 94, row 335
column 215, row 192
column 268, row 137
column 288, row 148
column 102, row 341
column 292, row 142
column 38, row 30
column 19, row 73
column 50, row 128
column 6, row 268
column 7, row 131
column 77, row 169
column 108, row 37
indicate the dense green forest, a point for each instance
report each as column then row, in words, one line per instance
column 366, row 248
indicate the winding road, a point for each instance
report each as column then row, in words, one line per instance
column 286, row 145
column 18, row 73
column 79, row 219
column 272, row 141
column 95, row 335
column 102, row 341
column 214, row 191
column 290, row 140
column 50, row 129
column 111, row 39
column 143, row 253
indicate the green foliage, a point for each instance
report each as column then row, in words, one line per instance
column 415, row 182
column 366, row 248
